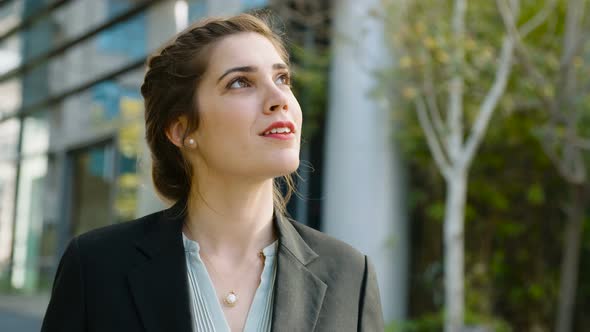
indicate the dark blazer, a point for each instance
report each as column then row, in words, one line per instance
column 132, row 277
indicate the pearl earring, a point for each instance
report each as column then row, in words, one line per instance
column 191, row 141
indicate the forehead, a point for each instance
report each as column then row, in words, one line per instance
column 243, row 49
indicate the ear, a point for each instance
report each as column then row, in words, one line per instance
column 176, row 130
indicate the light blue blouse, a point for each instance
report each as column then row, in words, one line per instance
column 207, row 314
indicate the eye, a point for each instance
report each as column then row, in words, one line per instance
column 284, row 79
column 238, row 83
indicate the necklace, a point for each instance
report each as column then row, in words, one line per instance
column 230, row 299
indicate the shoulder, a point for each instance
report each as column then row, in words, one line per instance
column 120, row 232
column 348, row 277
column 112, row 243
column 333, row 253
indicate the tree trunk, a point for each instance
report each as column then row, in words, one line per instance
column 571, row 257
column 454, row 251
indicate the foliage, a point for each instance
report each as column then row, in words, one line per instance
column 310, row 85
column 424, row 45
column 544, row 83
column 512, row 241
column 433, row 322
column 513, row 230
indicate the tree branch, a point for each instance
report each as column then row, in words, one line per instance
column 538, row 19
column 571, row 47
column 548, row 144
column 431, row 100
column 569, row 165
column 510, row 23
column 491, row 100
column 433, row 142
column 572, row 39
column 573, row 162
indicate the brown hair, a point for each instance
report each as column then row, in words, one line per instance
column 169, row 91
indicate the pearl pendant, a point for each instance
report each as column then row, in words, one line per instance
column 230, row 299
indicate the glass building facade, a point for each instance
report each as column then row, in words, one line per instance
column 72, row 150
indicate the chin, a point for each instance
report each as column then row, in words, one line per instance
column 285, row 167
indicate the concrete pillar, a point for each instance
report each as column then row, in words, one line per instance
column 363, row 177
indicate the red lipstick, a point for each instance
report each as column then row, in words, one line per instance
column 283, row 134
column 279, row 124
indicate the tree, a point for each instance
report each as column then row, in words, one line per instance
column 439, row 59
column 561, row 90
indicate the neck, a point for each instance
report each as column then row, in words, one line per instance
column 231, row 219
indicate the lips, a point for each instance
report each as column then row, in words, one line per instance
column 279, row 127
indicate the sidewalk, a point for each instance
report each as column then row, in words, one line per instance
column 22, row 313
column 13, row 322
column 29, row 305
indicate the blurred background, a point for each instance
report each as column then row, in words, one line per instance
column 449, row 140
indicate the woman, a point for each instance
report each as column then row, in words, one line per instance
column 222, row 123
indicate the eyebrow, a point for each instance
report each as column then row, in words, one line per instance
column 250, row 69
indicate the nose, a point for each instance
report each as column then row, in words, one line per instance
column 276, row 100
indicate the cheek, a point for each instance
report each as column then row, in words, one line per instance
column 227, row 126
column 226, row 112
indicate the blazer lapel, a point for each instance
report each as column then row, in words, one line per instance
column 299, row 294
column 158, row 282
column 159, row 286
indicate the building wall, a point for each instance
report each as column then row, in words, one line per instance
column 83, row 162
column 82, row 133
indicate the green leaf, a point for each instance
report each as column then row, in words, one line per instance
column 536, row 195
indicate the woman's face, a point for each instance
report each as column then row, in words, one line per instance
column 244, row 93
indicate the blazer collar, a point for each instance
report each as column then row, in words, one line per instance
column 290, row 239
column 160, row 289
column 299, row 293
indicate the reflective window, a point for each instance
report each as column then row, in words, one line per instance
column 92, row 187
column 127, row 38
column 7, row 185
column 81, row 16
column 112, row 49
column 97, row 111
column 29, row 221
column 10, row 53
column 39, row 37
column 113, row 107
column 129, row 146
column 9, row 139
column 99, row 129
column 64, row 24
column 52, row 221
column 9, row 131
column 10, row 95
column 35, row 134
column 10, row 15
